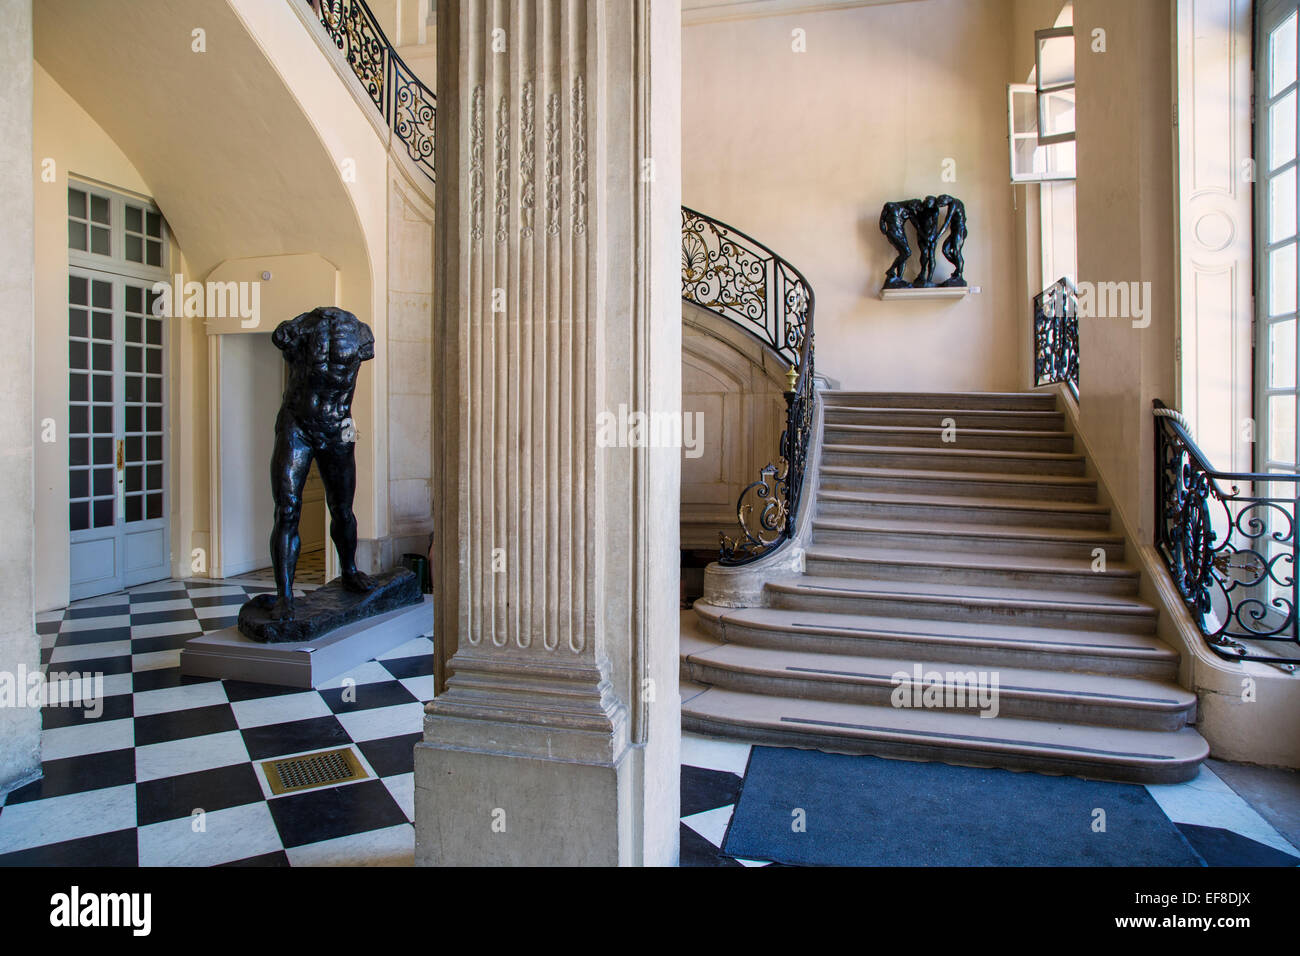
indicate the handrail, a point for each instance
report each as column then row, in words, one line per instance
column 406, row 104
column 1056, row 335
column 739, row 278
column 1230, row 551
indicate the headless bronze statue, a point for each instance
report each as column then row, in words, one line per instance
column 324, row 348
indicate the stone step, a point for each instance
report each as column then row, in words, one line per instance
column 975, row 484
column 971, row 642
column 902, row 506
column 1059, row 696
column 985, row 439
column 945, row 566
column 1089, row 611
column 952, row 459
column 987, row 401
column 968, row 401
column 966, row 418
column 978, row 539
column 1017, row 743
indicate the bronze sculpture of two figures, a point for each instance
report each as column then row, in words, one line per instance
column 930, row 217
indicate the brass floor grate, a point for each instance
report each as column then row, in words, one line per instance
column 313, row 770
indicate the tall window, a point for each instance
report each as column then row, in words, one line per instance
column 1276, row 198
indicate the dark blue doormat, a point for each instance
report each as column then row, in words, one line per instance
column 868, row 811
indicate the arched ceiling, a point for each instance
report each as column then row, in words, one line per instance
column 233, row 163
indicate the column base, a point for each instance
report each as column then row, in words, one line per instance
column 479, row 808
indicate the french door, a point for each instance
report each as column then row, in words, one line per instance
column 1277, row 97
column 117, row 493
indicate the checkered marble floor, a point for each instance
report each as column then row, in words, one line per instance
column 170, row 772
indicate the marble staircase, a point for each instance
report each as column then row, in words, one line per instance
column 964, row 599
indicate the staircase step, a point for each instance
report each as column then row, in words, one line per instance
column 1088, row 611
column 960, row 509
column 1109, row 753
column 967, row 418
column 1001, row 439
column 991, row 644
column 992, row 401
column 959, row 567
column 956, row 536
column 973, row 484
column 952, row 459
column 1099, row 699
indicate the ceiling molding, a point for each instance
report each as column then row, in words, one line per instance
column 714, row 11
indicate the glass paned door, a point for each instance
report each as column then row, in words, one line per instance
column 117, row 514
column 1277, row 279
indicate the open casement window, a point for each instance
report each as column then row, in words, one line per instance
column 1031, row 160
column 1054, row 84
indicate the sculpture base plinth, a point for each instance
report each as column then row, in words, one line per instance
column 229, row 655
column 318, row 612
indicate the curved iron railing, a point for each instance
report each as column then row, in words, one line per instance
column 742, row 280
column 406, row 104
column 1056, row 335
column 1229, row 543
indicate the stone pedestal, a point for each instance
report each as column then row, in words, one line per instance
column 553, row 738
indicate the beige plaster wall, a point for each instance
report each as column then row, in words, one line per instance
column 20, row 727
column 882, row 97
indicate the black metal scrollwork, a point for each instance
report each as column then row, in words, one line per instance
column 740, row 279
column 1229, row 546
column 1056, row 335
column 407, row 105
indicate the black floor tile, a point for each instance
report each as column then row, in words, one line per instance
column 697, row 851
column 278, row 858
column 707, row 789
column 403, row 667
column 94, row 635
column 299, row 736
column 97, row 665
column 179, row 724
column 160, row 677
column 238, row 690
column 174, row 797
column 1219, row 847
column 114, row 707
column 67, row 775
column 332, row 812
column 106, row 849
column 164, row 642
column 367, row 696
column 391, row 755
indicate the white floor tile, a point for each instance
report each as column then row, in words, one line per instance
column 25, row 825
column 165, row 629
column 370, row 672
column 712, row 754
column 1207, row 801
column 402, row 787
column 175, row 757
column 89, row 652
column 711, row 824
column 412, row 648
column 216, row 611
column 169, row 604
column 96, row 736
column 381, row 722
column 391, row 846
column 186, row 696
column 76, row 624
column 280, row 709
column 420, row 687
column 156, row 660
column 227, row 835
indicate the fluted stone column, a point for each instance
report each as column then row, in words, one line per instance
column 554, row 734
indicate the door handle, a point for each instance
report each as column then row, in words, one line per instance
column 121, row 454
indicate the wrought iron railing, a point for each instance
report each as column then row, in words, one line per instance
column 1056, row 335
column 1229, row 543
column 740, row 279
column 406, row 104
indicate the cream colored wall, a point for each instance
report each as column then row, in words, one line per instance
column 20, row 727
column 882, row 97
column 1126, row 234
column 66, row 140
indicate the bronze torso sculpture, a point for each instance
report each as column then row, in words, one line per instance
column 324, row 348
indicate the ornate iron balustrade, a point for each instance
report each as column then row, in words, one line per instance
column 406, row 104
column 1056, row 335
column 1229, row 543
column 740, row 279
